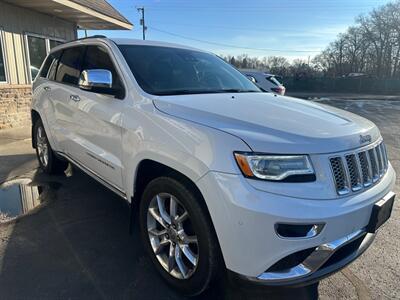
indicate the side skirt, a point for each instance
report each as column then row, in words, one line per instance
column 94, row 175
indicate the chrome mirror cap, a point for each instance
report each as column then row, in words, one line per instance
column 95, row 78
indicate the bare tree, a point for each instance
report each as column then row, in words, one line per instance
column 372, row 46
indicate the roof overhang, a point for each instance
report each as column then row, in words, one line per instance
column 84, row 17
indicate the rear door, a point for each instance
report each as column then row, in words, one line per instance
column 97, row 121
column 64, row 83
column 42, row 86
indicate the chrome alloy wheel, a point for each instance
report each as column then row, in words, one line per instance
column 42, row 146
column 171, row 236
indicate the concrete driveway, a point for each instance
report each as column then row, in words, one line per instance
column 76, row 244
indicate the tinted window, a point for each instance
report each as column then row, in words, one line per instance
column 98, row 58
column 37, row 54
column 54, row 64
column 69, row 67
column 49, row 63
column 46, row 66
column 174, row 71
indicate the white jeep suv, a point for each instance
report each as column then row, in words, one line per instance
column 270, row 190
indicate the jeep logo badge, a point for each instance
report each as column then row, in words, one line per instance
column 365, row 139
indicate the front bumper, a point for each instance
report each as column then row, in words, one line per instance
column 245, row 218
column 322, row 262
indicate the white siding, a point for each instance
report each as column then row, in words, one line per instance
column 15, row 22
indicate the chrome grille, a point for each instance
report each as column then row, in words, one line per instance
column 359, row 169
column 339, row 175
column 354, row 173
column 365, row 168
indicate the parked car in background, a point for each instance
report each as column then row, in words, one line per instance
column 267, row 82
column 271, row 190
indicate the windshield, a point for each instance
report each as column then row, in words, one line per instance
column 174, row 71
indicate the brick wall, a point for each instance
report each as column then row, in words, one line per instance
column 15, row 102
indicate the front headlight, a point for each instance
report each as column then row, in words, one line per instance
column 296, row 168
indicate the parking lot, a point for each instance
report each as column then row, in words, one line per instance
column 76, row 244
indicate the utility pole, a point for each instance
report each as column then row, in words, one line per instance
column 142, row 23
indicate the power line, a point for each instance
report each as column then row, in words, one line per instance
column 259, row 8
column 270, row 3
column 229, row 45
column 246, row 29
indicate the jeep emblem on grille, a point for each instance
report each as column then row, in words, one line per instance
column 365, row 139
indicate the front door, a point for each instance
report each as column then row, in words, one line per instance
column 62, row 82
column 97, row 117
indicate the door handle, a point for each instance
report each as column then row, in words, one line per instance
column 47, row 88
column 75, row 98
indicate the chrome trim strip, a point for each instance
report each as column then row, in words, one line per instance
column 315, row 260
column 383, row 157
column 359, row 169
column 386, row 158
column 371, row 173
column 94, row 175
column 380, row 160
column 375, row 177
column 346, row 172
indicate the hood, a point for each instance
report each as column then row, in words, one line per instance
column 273, row 124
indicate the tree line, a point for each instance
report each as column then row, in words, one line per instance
column 278, row 65
column 371, row 46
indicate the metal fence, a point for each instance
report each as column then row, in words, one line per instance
column 358, row 85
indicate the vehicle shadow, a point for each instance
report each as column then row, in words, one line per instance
column 76, row 245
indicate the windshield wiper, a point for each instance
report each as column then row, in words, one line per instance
column 188, row 92
column 235, row 91
column 180, row 92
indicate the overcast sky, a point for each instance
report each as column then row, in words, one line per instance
column 290, row 28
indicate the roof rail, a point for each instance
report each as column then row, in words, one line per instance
column 97, row 36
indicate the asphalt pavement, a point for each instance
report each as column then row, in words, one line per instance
column 76, row 244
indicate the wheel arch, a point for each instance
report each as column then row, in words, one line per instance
column 35, row 115
column 149, row 169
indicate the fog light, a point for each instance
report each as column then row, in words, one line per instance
column 298, row 231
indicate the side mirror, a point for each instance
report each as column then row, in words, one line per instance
column 95, row 80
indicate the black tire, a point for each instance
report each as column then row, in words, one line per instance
column 54, row 165
column 210, row 262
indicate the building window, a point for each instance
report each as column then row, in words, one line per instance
column 54, row 43
column 2, row 63
column 38, row 48
column 37, row 54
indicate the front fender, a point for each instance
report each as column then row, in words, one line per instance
column 189, row 148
